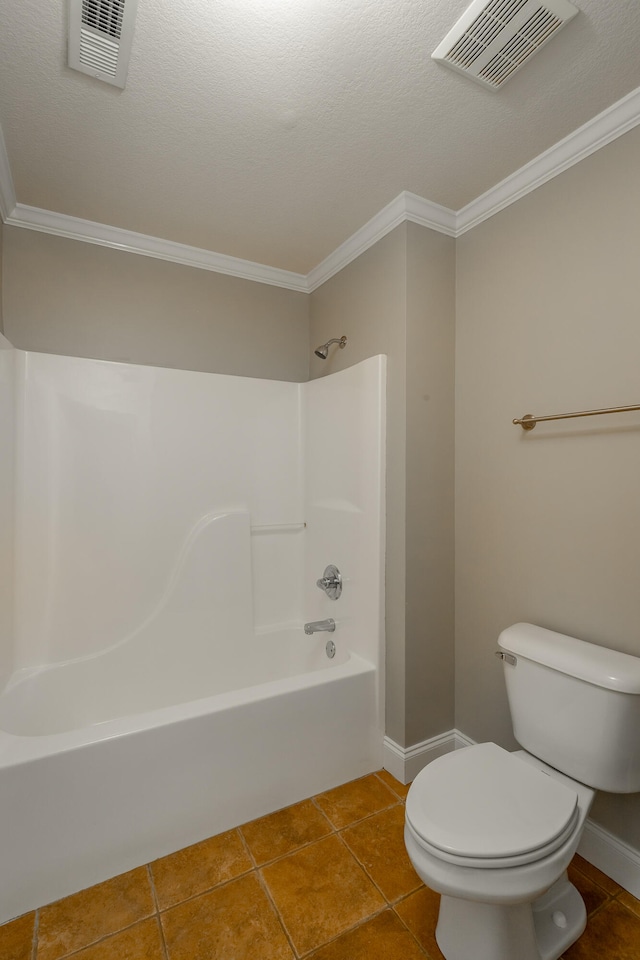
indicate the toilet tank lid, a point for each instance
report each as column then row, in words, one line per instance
column 577, row 658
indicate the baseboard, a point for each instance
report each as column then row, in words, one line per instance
column 611, row 855
column 608, row 853
column 405, row 763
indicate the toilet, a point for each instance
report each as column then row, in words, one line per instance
column 493, row 832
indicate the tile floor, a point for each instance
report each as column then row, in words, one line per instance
column 325, row 879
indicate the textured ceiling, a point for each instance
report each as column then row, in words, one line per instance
column 273, row 129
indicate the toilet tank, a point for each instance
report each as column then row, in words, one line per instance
column 575, row 705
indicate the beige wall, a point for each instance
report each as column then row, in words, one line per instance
column 429, row 625
column 2, row 229
column 7, row 552
column 367, row 302
column 397, row 298
column 79, row 299
column 548, row 523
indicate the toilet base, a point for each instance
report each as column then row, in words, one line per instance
column 541, row 930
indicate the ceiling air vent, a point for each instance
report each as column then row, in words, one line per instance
column 494, row 38
column 100, row 36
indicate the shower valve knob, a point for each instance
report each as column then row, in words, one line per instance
column 331, row 582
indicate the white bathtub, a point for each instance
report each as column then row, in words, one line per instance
column 166, row 523
column 101, row 796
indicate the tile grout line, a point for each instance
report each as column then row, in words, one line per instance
column 314, row 801
column 363, row 868
column 386, row 905
column 303, row 846
column 630, row 909
column 394, row 803
column 107, row 936
column 267, row 863
column 390, row 902
column 334, row 831
column 34, row 939
column 408, row 929
column 405, row 896
column 356, row 926
column 279, row 917
column 206, row 890
column 592, row 879
column 246, row 846
column 265, row 889
column 602, row 906
column 403, row 801
column 377, row 774
column 203, row 893
column 609, row 897
column 154, row 894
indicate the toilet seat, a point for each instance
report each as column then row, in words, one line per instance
column 485, row 807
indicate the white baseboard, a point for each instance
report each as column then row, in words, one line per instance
column 405, row 763
column 608, row 853
column 611, row 855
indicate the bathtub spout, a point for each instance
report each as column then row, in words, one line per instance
column 320, row 626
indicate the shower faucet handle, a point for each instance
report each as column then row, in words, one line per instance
column 331, row 582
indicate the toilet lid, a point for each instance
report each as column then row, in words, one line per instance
column 483, row 802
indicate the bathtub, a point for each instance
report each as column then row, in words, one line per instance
column 91, row 787
column 169, row 529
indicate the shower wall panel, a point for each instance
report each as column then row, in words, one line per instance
column 121, row 472
column 118, row 465
column 344, row 429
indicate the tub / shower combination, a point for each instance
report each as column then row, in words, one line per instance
column 158, row 685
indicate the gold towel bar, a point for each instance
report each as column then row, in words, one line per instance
column 528, row 422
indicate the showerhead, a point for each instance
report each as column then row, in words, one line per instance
column 323, row 351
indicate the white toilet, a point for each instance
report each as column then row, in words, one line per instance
column 494, row 831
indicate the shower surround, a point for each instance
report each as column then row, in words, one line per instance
column 166, row 531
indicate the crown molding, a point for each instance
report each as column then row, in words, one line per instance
column 612, row 123
column 406, row 206
column 429, row 214
column 61, row 225
column 7, row 192
column 596, row 133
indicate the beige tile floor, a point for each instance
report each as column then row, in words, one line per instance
column 325, row 879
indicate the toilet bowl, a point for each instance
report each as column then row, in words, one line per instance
column 494, row 832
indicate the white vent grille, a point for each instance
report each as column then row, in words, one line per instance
column 494, row 39
column 104, row 15
column 100, row 37
column 98, row 53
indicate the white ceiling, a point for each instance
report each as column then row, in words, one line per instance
column 272, row 130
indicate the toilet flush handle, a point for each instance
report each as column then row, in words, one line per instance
column 507, row 657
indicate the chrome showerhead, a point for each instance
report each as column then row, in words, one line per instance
column 323, row 351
